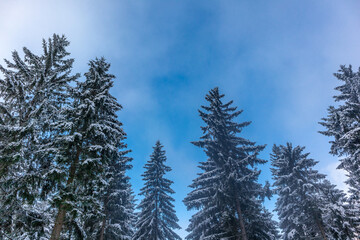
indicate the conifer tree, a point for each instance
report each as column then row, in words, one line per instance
column 308, row 204
column 91, row 157
column 60, row 146
column 226, row 194
column 34, row 90
column 157, row 218
column 342, row 123
column 119, row 204
column 337, row 215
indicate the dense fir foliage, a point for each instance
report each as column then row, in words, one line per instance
column 337, row 213
column 33, row 91
column 102, row 164
column 226, row 194
column 309, row 207
column 157, row 218
column 116, row 195
column 118, row 201
column 343, row 124
column 61, row 145
column 92, row 146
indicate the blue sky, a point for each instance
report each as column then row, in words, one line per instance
column 275, row 59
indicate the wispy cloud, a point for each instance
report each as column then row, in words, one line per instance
column 337, row 176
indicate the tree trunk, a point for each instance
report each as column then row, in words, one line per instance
column 59, row 222
column 156, row 217
column 103, row 225
column 321, row 227
column 241, row 220
column 236, row 227
column 102, row 231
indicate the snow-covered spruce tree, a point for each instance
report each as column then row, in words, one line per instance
column 226, row 194
column 308, row 206
column 157, row 218
column 106, row 194
column 336, row 212
column 91, row 157
column 33, row 91
column 343, row 124
column 119, row 218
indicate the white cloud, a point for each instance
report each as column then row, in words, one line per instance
column 116, row 30
column 337, row 176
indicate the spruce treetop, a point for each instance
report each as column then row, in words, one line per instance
column 226, row 193
column 157, row 218
column 308, row 205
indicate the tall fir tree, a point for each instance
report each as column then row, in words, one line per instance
column 109, row 210
column 337, row 215
column 105, row 195
column 157, row 218
column 91, row 157
column 342, row 123
column 34, row 90
column 119, row 218
column 308, row 206
column 226, row 194
column 61, row 146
